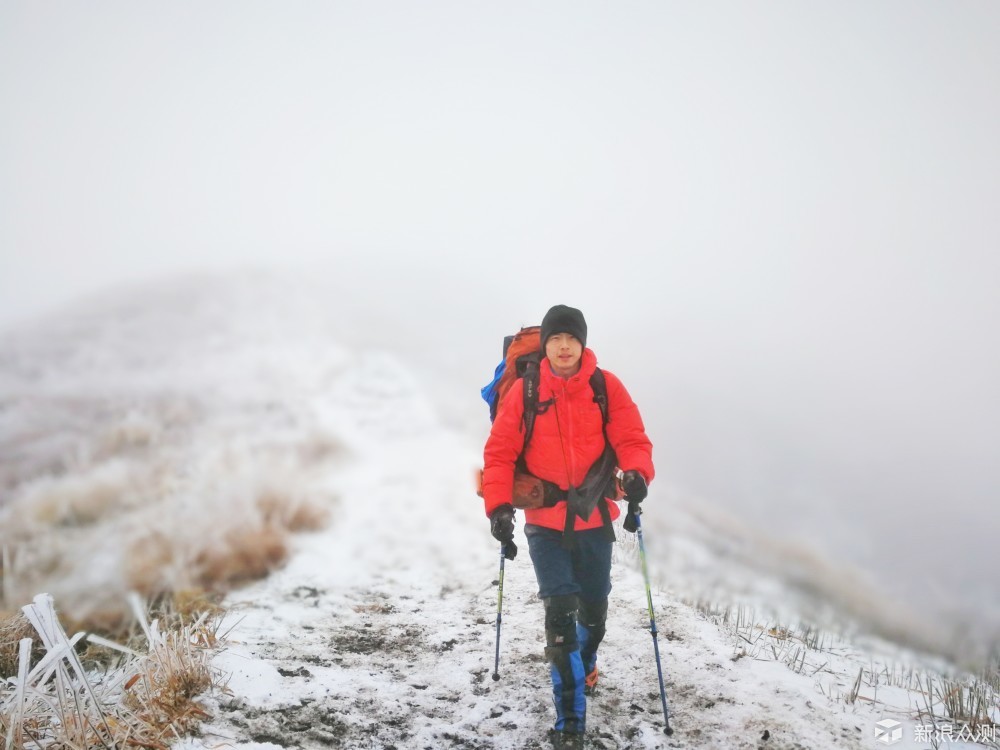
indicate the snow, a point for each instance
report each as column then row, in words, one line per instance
column 379, row 630
column 382, row 633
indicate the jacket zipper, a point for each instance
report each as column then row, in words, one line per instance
column 569, row 429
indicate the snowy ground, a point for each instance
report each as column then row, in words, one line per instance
column 380, row 633
column 167, row 417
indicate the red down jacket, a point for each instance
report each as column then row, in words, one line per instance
column 576, row 419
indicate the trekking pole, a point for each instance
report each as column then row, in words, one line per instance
column 637, row 512
column 496, row 663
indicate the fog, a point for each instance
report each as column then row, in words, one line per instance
column 779, row 218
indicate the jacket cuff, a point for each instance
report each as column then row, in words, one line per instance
column 489, row 506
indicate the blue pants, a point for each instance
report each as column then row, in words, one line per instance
column 570, row 580
column 584, row 570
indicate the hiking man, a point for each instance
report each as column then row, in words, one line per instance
column 574, row 446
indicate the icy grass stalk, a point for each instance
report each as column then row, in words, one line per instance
column 971, row 700
column 14, row 721
column 147, row 701
column 968, row 704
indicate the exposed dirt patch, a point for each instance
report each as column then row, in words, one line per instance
column 372, row 639
column 295, row 726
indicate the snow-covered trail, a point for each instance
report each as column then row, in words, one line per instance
column 380, row 633
column 146, row 430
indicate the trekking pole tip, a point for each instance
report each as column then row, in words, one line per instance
column 496, row 677
column 667, row 730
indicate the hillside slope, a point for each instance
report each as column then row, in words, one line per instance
column 380, row 633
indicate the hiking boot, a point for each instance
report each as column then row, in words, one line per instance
column 590, row 682
column 565, row 740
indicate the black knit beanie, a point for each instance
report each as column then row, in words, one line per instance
column 562, row 319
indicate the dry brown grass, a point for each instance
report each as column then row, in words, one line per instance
column 189, row 604
column 147, row 701
column 291, row 514
column 162, row 695
column 14, row 627
column 252, row 551
column 173, row 609
column 163, row 550
column 245, row 555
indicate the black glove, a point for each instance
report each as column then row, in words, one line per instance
column 631, row 518
column 634, row 486
column 502, row 528
column 635, row 490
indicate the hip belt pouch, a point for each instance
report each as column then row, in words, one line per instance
column 529, row 491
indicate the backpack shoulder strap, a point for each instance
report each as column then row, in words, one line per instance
column 599, row 385
column 529, row 393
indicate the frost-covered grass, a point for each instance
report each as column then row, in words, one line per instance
column 922, row 688
column 158, row 448
column 145, row 697
column 175, row 529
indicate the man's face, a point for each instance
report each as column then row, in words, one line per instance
column 564, row 352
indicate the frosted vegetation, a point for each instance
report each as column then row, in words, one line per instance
column 148, row 446
column 146, row 699
column 175, row 443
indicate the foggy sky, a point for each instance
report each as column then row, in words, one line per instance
column 781, row 219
